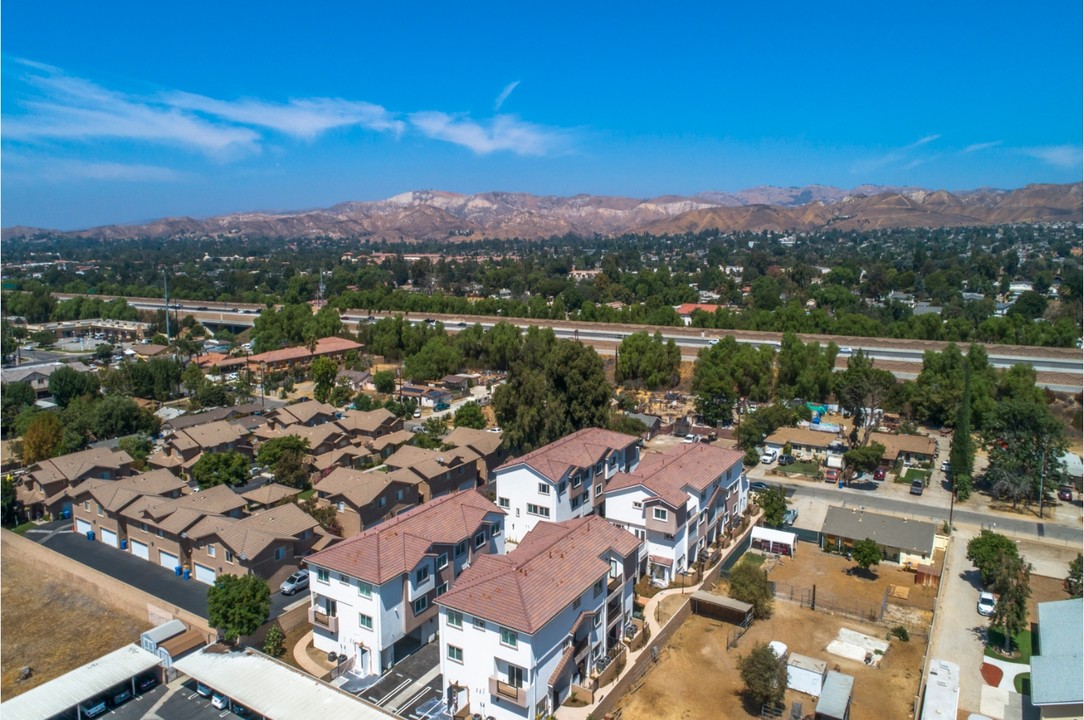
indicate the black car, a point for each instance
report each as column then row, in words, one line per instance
column 759, row 486
column 145, row 683
column 787, row 460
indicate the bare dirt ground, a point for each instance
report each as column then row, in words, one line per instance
column 1044, row 589
column 51, row 627
column 696, row 677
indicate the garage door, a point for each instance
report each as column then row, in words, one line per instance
column 140, row 550
column 205, row 574
column 109, row 537
column 167, row 560
column 82, row 527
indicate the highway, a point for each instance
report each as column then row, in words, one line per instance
column 1060, row 369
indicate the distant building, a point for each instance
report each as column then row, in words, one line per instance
column 685, row 312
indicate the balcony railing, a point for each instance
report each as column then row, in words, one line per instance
column 614, row 583
column 504, row 691
column 323, row 620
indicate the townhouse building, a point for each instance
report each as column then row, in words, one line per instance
column 518, row 631
column 563, row 480
column 43, row 488
column 308, row 413
column 364, row 499
column 369, row 424
column 488, row 444
column 183, row 448
column 678, row 503
column 372, row 595
column 440, row 471
column 96, row 504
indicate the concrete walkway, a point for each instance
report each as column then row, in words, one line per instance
column 1009, row 669
column 301, row 655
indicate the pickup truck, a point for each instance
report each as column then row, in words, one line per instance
column 832, row 475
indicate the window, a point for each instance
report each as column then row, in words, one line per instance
column 455, row 619
column 516, row 676
column 636, row 504
column 442, row 561
column 509, row 637
column 365, row 589
column 143, row 526
column 598, row 619
column 479, row 624
column 504, row 502
column 537, row 510
column 399, row 494
column 459, row 471
column 421, row 575
column 381, row 502
column 598, row 467
column 340, row 506
column 365, row 621
column 305, row 535
column 211, row 550
column 576, row 481
column 344, row 579
column 99, row 511
column 229, row 557
column 455, row 654
column 480, row 540
column 598, row 489
column 420, row 605
column 441, row 589
column 86, row 504
column 495, row 531
column 576, row 604
column 561, row 488
column 322, row 575
column 543, row 489
column 280, row 553
column 159, row 533
column 461, row 549
column 600, row 584
column 660, row 514
column 576, row 501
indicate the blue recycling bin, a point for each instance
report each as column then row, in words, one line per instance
column 177, row 570
column 65, row 514
column 123, row 544
column 187, row 574
column 841, row 483
column 90, row 534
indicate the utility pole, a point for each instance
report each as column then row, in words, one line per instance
column 165, row 285
column 1042, row 478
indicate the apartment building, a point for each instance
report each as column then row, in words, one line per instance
column 372, row 595
column 440, row 471
column 678, row 502
column 364, row 499
column 563, row 480
column 518, row 631
column 184, row 448
column 43, row 488
column 96, row 504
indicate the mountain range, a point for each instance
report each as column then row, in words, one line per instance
column 437, row 215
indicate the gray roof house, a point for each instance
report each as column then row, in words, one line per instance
column 1057, row 670
column 843, row 526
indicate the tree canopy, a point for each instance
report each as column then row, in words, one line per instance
column 648, row 360
column 238, row 604
column 764, row 676
column 220, row 468
column 470, row 415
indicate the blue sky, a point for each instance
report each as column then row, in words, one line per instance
column 127, row 111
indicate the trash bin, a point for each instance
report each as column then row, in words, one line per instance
column 90, row 534
column 123, row 544
column 177, row 570
column 841, row 483
column 65, row 514
column 187, row 574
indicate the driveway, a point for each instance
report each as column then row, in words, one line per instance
column 148, row 577
column 961, row 632
column 413, row 688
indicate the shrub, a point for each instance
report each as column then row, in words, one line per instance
column 901, row 632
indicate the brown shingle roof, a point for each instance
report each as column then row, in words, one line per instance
column 481, row 441
column 74, row 466
column 802, row 436
column 399, row 437
column 361, row 488
column 667, row 474
column 896, row 444
column 204, row 436
column 581, row 449
column 395, row 546
column 302, row 412
column 430, row 464
column 554, row 565
column 270, row 494
column 217, row 500
column 252, row 535
column 365, row 421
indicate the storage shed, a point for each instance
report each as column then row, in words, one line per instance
column 723, row 608
column 149, row 640
column 835, row 699
column 806, row 674
column 778, row 542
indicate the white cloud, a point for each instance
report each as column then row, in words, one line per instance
column 300, row 118
column 977, row 147
column 504, row 95
column 502, row 132
column 1058, row 155
column 922, row 141
column 894, row 157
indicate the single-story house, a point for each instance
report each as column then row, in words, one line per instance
column 902, row 541
column 806, row 444
column 1057, row 669
column 651, row 422
column 906, row 449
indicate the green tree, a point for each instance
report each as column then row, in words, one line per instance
column 962, row 450
column 861, row 388
column 193, row 380
column 274, row 643
column 115, row 415
column 1074, row 581
column 748, row 583
column 323, row 370
column 14, row 398
column 470, row 415
column 865, row 458
column 764, row 676
column 291, row 470
column 238, row 604
column 619, row 422
column 648, row 360
column 42, row 438
column 66, row 384
column 324, row 514
column 866, row 553
column 138, row 447
column 103, row 352
column 1012, row 583
column 220, row 468
column 805, row 370
column 1024, row 441
column 9, row 506
column 437, row 358
column 987, row 551
column 773, row 502
column 384, row 381
column 270, row 451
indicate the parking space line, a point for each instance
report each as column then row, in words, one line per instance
column 413, row 698
column 392, row 694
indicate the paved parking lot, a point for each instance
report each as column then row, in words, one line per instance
column 412, row 689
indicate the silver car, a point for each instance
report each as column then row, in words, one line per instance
column 295, row 583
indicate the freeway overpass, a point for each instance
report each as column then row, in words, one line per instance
column 1060, row 369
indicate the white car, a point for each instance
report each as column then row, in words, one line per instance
column 945, row 466
column 713, row 341
column 691, row 438
column 219, row 701
column 769, row 457
column 986, row 604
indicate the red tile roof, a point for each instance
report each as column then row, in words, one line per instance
column 688, row 308
column 581, row 449
column 554, row 565
column 667, row 474
column 324, row 346
column 395, row 546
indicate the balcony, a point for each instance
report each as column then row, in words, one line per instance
column 500, row 689
column 323, row 620
column 613, row 584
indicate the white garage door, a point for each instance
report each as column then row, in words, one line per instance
column 82, row 527
column 167, row 560
column 109, row 537
column 205, row 574
column 140, row 550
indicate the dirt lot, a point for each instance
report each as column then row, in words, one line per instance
column 51, row 627
column 697, row 678
column 1044, row 589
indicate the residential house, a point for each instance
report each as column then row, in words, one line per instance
column 564, row 479
column 906, row 449
column 685, row 312
column 42, row 488
column 268, row 544
column 456, row 383
column 147, row 351
column 517, row 631
column 356, row 380
column 488, row 444
column 385, row 445
column 679, row 502
column 440, row 471
column 652, row 423
column 371, row 424
column 321, row 438
column 269, row 495
column 209, row 416
column 308, row 414
column 37, row 376
column 372, row 595
column 808, row 445
column 364, row 499
column 96, row 504
column 1057, row 670
column 348, row 457
column 292, row 358
column 183, row 448
column 903, row 541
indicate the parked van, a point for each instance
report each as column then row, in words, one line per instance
column 93, row 708
column 769, row 456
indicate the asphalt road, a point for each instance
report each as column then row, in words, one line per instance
column 190, row 595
